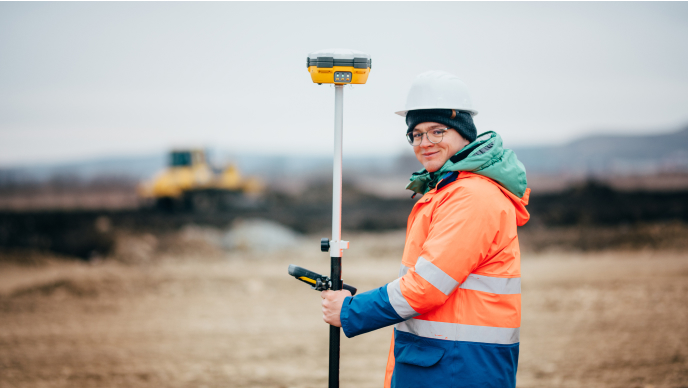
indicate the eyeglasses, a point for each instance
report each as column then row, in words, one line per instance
column 434, row 136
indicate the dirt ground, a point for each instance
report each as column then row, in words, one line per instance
column 216, row 319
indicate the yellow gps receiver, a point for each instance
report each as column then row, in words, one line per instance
column 339, row 66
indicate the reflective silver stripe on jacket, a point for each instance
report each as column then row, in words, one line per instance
column 398, row 302
column 435, row 276
column 460, row 332
column 503, row 286
column 403, row 270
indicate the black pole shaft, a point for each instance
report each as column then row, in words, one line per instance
column 336, row 276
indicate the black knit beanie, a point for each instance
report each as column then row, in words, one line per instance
column 461, row 121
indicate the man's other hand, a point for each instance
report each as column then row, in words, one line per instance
column 332, row 306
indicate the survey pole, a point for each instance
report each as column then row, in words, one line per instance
column 336, row 253
column 339, row 67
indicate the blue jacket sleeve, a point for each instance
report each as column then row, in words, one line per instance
column 368, row 311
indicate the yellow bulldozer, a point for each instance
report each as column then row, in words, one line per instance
column 191, row 183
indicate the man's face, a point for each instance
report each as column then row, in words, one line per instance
column 433, row 156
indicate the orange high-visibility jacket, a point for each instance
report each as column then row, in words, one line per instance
column 457, row 302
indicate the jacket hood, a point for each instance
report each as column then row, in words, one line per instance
column 522, row 215
column 484, row 157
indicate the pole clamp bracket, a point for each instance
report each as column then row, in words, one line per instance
column 337, row 248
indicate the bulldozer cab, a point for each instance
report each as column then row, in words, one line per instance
column 186, row 158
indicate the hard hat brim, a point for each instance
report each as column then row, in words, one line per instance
column 403, row 113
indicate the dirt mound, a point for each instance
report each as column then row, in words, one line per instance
column 70, row 287
column 259, row 235
column 635, row 237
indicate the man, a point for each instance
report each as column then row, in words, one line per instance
column 456, row 305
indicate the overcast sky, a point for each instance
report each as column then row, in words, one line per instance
column 82, row 80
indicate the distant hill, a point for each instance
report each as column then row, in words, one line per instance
column 610, row 155
column 144, row 167
column 604, row 155
column 134, row 167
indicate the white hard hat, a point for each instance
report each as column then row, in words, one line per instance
column 438, row 90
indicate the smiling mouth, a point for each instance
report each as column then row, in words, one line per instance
column 430, row 154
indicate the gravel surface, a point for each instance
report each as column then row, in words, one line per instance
column 218, row 319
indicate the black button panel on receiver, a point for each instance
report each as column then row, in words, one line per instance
column 342, row 76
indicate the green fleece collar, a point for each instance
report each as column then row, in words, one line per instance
column 483, row 157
